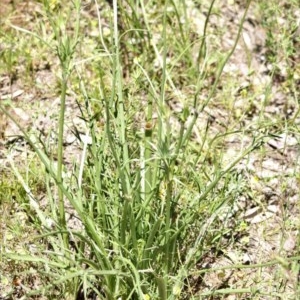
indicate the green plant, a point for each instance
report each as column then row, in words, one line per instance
column 150, row 199
column 135, row 223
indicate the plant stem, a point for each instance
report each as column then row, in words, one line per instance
column 61, row 207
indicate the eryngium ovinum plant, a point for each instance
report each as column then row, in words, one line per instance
column 146, row 195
